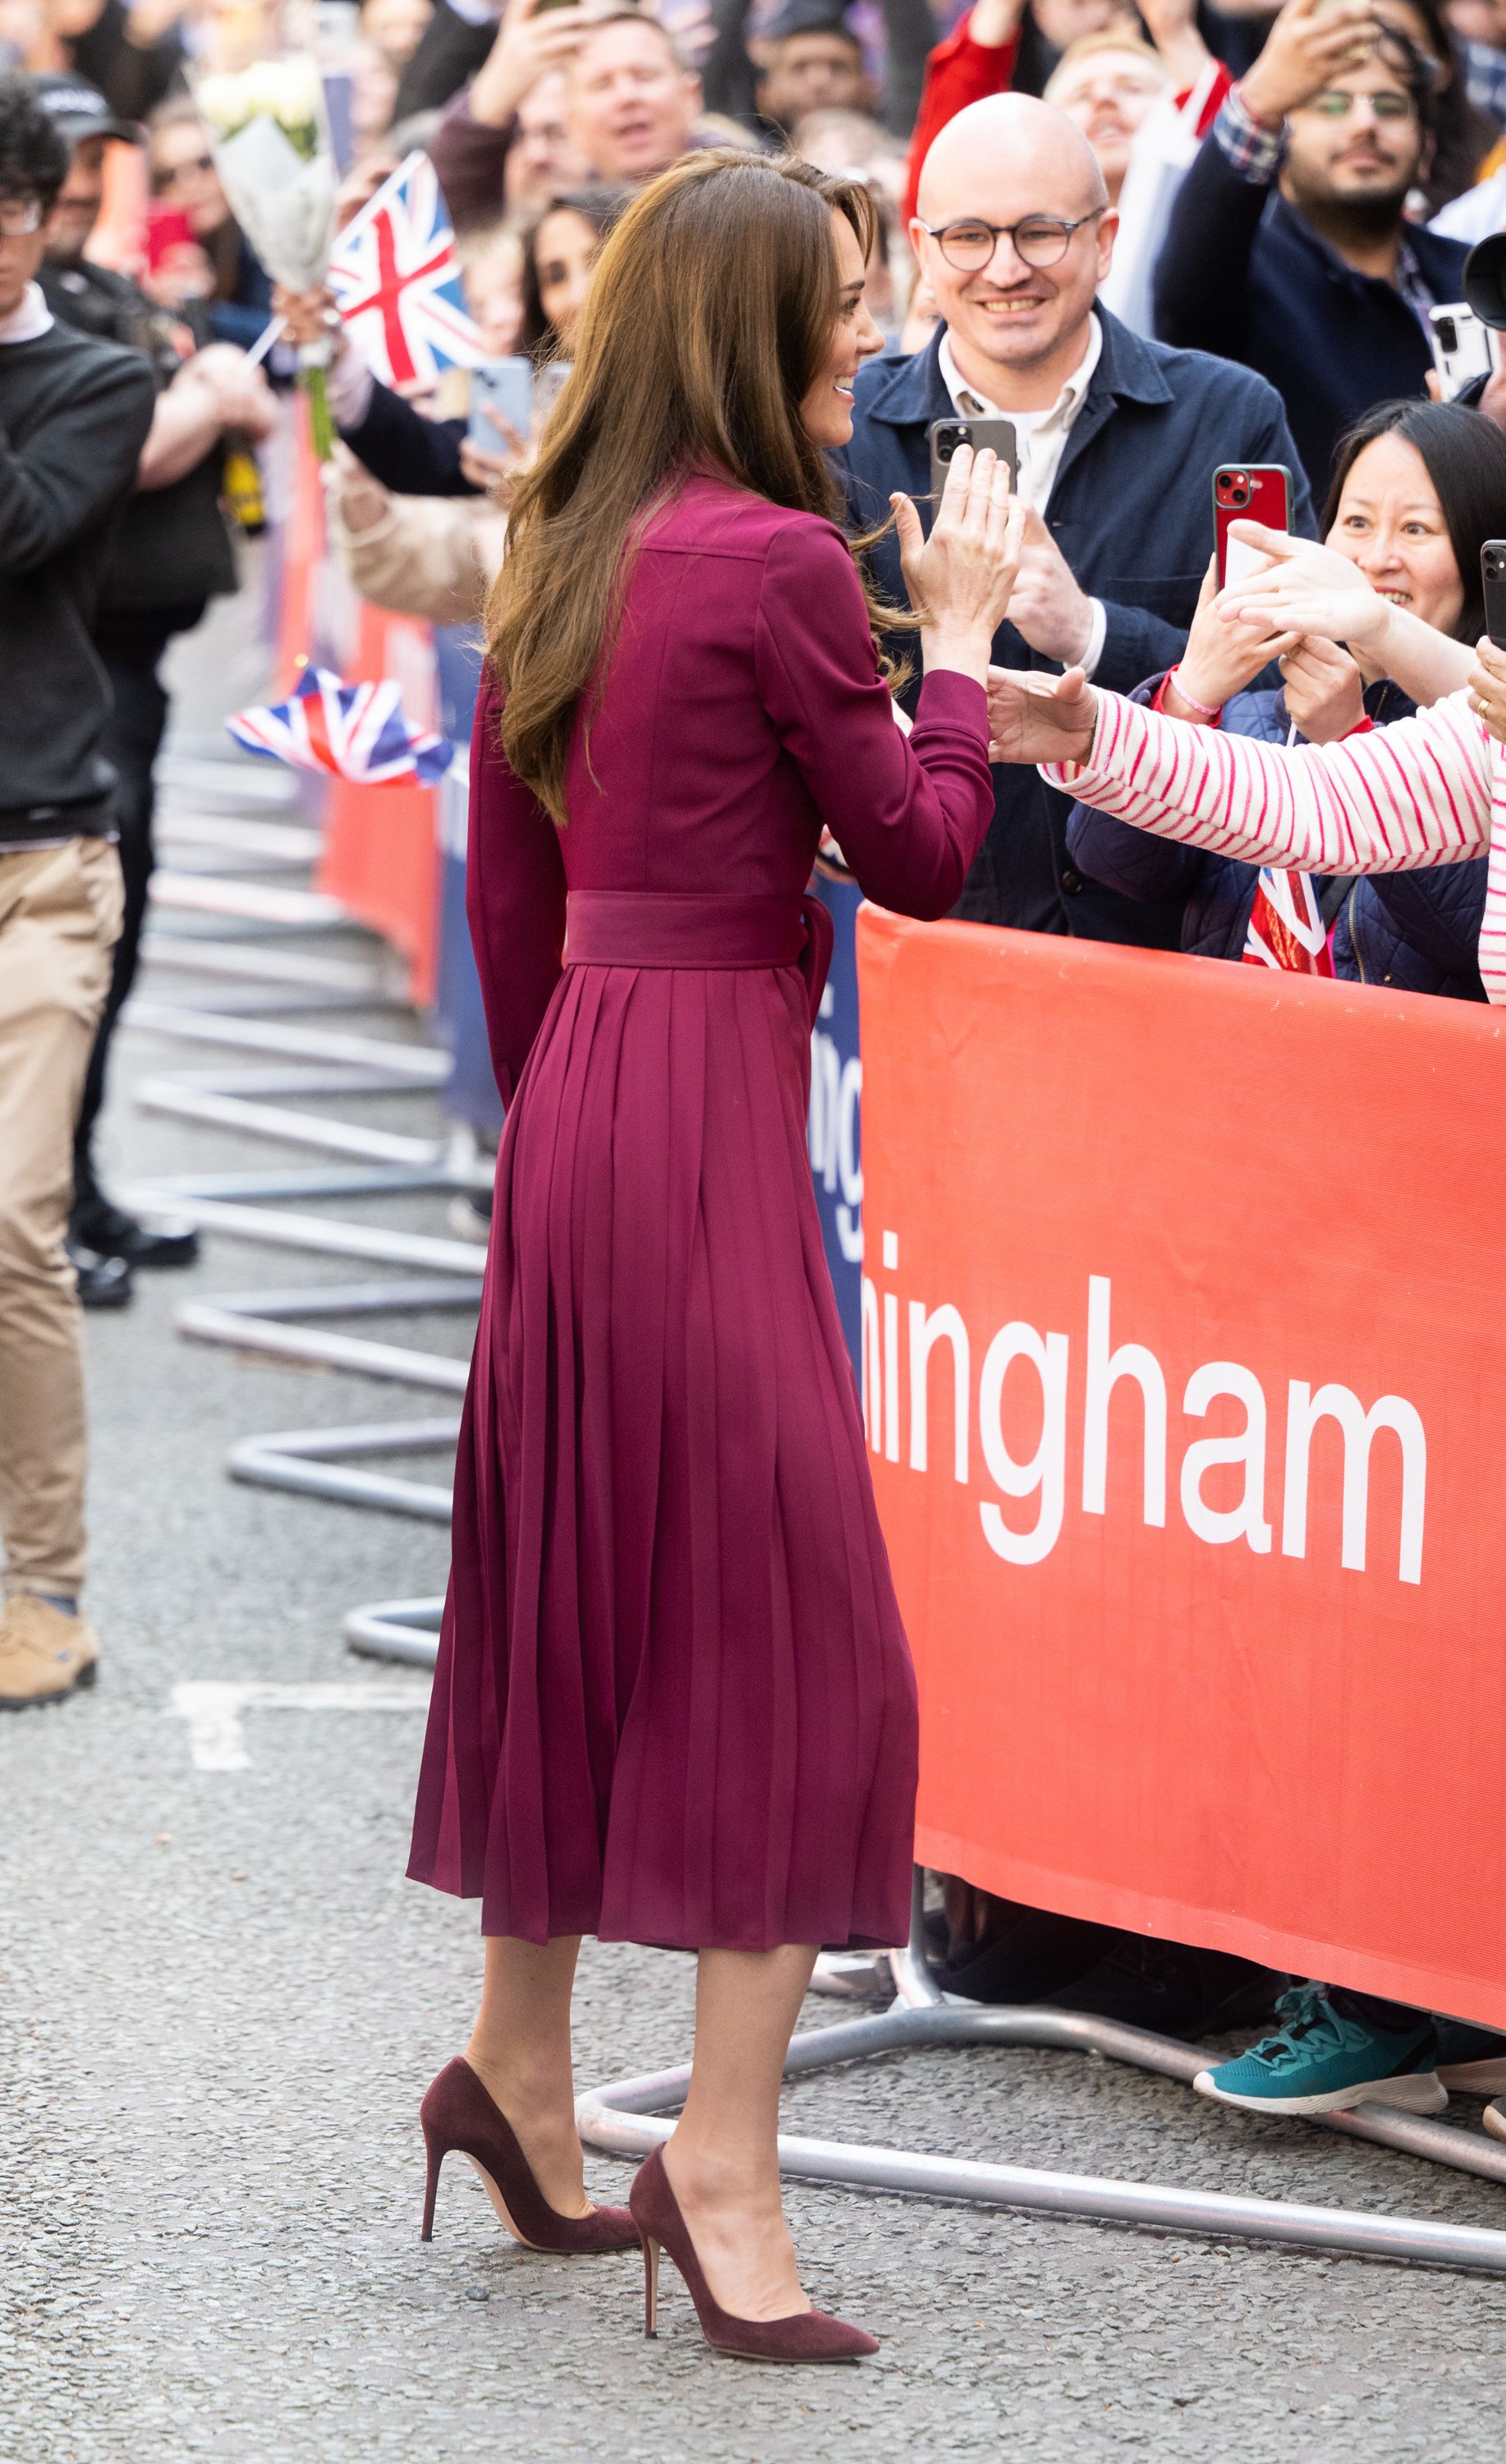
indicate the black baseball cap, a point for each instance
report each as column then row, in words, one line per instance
column 79, row 109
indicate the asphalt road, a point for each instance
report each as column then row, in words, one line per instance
column 220, row 2003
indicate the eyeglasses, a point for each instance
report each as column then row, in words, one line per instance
column 1334, row 104
column 19, row 217
column 1040, row 241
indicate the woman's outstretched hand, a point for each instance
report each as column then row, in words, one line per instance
column 1307, row 588
column 960, row 579
column 1488, row 688
column 1034, row 717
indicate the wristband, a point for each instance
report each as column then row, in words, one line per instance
column 1201, row 707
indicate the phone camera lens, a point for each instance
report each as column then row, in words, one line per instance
column 1448, row 334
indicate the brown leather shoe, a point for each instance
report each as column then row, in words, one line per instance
column 44, row 1654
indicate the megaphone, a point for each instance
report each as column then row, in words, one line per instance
column 1485, row 280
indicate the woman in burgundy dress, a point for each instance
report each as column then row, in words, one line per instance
column 674, row 1703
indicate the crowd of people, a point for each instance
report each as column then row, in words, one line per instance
column 1149, row 240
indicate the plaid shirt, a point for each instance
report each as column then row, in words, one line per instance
column 1250, row 149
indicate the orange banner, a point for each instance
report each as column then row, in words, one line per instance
column 1184, row 1368
column 381, row 845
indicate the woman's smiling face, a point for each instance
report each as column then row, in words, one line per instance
column 827, row 411
column 1390, row 524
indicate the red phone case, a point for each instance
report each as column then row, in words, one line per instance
column 1249, row 492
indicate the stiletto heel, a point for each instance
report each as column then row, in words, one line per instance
column 434, row 2153
column 458, row 2116
column 806, row 2336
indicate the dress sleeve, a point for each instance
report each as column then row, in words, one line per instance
column 908, row 813
column 1414, row 794
column 514, row 898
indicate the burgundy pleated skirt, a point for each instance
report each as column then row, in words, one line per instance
column 674, row 1703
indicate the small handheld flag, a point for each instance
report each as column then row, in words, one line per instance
column 396, row 281
column 358, row 731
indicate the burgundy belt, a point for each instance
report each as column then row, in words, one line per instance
column 672, row 928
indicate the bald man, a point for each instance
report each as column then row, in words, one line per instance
column 1118, row 440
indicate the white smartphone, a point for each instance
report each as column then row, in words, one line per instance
column 1463, row 348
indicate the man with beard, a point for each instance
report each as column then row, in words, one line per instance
column 1287, row 247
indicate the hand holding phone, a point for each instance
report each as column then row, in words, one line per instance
column 1463, row 348
column 984, row 435
column 502, row 406
column 1248, row 492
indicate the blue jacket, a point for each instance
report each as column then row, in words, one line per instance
column 1416, row 931
column 1132, row 513
column 1242, row 272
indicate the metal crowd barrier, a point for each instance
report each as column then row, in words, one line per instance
column 624, row 2119
column 210, row 921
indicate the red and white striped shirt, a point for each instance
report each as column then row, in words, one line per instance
column 1427, row 790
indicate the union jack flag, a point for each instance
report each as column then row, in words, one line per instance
column 1286, row 929
column 356, row 731
column 397, row 283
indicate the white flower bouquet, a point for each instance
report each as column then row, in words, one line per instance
column 270, row 137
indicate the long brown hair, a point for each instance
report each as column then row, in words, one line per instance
column 710, row 317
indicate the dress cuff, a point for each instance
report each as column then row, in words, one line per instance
column 955, row 700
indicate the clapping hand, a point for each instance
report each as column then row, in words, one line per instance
column 960, row 579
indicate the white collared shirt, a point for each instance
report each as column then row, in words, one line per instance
column 1041, row 437
column 30, row 319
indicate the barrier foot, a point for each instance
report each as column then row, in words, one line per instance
column 622, row 2120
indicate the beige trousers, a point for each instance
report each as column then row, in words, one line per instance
column 59, row 916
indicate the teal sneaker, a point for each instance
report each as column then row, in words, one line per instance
column 1470, row 2059
column 1321, row 2061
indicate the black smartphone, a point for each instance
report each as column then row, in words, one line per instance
column 1493, row 579
column 947, row 434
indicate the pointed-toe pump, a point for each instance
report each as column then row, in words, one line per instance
column 806, row 2336
column 459, row 2118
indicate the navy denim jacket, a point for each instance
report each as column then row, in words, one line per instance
column 1132, row 513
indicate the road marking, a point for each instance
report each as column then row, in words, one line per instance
column 213, row 1710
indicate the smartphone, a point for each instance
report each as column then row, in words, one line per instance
column 1493, row 578
column 947, row 434
column 1248, row 492
column 501, row 397
column 1463, row 348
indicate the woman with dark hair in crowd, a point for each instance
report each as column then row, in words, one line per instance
column 1417, row 489
column 673, row 1702
column 183, row 174
column 559, row 250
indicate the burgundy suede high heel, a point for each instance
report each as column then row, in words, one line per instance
column 460, row 2119
column 806, row 2336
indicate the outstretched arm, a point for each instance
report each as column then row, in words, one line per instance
column 1415, row 794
